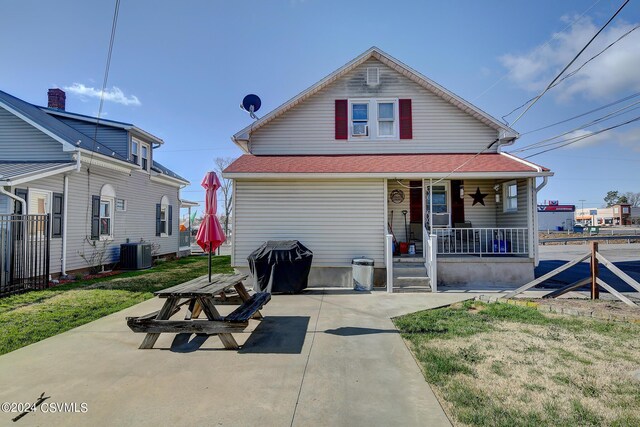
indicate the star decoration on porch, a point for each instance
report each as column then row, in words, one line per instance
column 478, row 197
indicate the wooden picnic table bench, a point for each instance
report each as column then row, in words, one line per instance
column 200, row 296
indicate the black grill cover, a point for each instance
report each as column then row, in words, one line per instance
column 280, row 266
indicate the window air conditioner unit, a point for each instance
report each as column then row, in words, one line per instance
column 360, row 130
column 135, row 256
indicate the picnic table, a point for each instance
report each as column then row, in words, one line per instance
column 201, row 295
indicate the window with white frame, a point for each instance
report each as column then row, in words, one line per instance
column 510, row 196
column 373, row 119
column 39, row 203
column 107, row 205
column 141, row 154
column 144, row 156
column 359, row 119
column 135, row 149
column 164, row 216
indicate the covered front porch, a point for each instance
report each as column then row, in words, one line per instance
column 460, row 231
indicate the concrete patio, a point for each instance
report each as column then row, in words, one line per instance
column 326, row 357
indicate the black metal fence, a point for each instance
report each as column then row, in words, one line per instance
column 24, row 253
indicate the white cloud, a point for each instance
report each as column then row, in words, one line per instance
column 630, row 138
column 115, row 94
column 613, row 72
column 585, row 138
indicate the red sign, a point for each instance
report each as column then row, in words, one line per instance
column 556, row 208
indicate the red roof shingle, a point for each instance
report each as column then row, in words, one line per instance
column 379, row 163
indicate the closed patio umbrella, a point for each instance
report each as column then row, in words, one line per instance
column 210, row 235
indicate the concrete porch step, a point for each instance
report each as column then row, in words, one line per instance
column 413, row 259
column 409, row 281
column 409, row 270
column 412, row 289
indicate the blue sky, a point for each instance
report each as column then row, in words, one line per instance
column 180, row 69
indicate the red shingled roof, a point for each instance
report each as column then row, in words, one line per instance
column 379, row 163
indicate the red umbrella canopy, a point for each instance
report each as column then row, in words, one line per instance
column 210, row 235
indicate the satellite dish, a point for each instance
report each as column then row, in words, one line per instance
column 251, row 103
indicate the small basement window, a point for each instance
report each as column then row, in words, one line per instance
column 511, row 196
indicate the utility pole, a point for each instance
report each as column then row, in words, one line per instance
column 582, row 208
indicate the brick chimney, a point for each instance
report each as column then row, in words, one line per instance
column 57, row 99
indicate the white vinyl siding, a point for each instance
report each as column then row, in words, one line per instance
column 309, row 128
column 517, row 218
column 137, row 223
column 336, row 219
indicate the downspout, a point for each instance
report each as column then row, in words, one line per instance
column 13, row 196
column 65, row 210
column 545, row 179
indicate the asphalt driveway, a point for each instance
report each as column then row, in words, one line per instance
column 327, row 357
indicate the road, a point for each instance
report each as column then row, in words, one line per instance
column 624, row 256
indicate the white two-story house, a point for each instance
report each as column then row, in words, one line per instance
column 96, row 179
column 376, row 149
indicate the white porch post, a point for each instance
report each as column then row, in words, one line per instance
column 388, row 253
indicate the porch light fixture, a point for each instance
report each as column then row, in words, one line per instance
column 497, row 197
column 462, row 191
column 497, row 189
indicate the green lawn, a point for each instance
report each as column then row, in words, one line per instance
column 33, row 316
column 506, row 365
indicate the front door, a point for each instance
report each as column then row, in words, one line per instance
column 457, row 203
column 441, row 205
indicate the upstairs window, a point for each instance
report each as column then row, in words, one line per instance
column 373, row 119
column 511, row 196
column 145, row 156
column 359, row 119
column 386, row 119
column 134, row 152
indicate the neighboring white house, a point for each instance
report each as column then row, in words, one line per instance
column 97, row 180
column 336, row 166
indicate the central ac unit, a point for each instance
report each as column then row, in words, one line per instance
column 135, row 256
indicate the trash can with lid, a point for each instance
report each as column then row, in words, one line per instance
column 362, row 274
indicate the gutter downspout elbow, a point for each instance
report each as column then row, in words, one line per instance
column 545, row 179
column 13, row 196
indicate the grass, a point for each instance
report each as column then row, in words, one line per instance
column 33, row 316
column 507, row 365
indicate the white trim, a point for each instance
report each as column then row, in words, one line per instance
column 66, row 145
column 389, row 175
column 524, row 162
column 32, row 176
column 168, row 180
column 385, row 229
column 372, row 119
column 233, row 223
column 48, row 209
column 393, row 63
column 112, row 207
column 505, row 198
column 91, row 157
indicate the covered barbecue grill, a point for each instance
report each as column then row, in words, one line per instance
column 280, row 266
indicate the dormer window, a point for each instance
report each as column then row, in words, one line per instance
column 134, row 152
column 144, row 156
column 141, row 154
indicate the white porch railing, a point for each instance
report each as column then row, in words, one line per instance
column 430, row 258
column 482, row 241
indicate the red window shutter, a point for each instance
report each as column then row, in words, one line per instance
column 406, row 121
column 342, row 119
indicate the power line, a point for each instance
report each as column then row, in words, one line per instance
column 575, row 58
column 573, row 140
column 619, row 112
column 555, row 36
column 626, row 98
column 574, row 72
